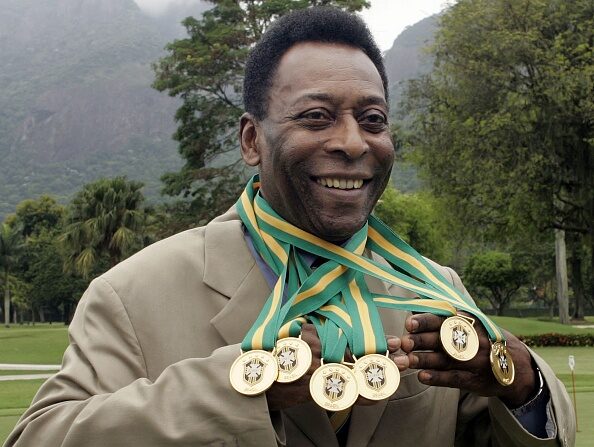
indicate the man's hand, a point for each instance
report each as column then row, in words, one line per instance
column 439, row 369
column 285, row 395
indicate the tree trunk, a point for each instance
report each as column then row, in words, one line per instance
column 561, row 271
column 41, row 316
column 576, row 280
column 6, row 300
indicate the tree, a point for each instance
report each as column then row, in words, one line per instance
column 10, row 248
column 503, row 126
column 51, row 291
column 44, row 286
column 416, row 219
column 105, row 222
column 206, row 71
column 36, row 215
column 495, row 275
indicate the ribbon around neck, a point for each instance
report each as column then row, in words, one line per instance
column 335, row 296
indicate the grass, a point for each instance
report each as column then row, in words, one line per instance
column 6, row 372
column 44, row 344
column 18, row 393
column 7, row 423
column 41, row 344
column 534, row 326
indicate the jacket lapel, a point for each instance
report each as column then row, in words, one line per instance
column 231, row 270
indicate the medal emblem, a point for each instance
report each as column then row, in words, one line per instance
column 377, row 376
column 253, row 372
column 458, row 338
column 502, row 364
column 294, row 359
column 333, row 387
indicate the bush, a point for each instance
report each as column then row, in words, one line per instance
column 558, row 339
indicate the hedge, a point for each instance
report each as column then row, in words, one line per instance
column 554, row 339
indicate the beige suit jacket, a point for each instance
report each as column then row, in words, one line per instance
column 150, row 349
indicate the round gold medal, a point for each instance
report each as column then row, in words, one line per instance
column 458, row 338
column 502, row 364
column 253, row 372
column 333, row 387
column 377, row 376
column 294, row 359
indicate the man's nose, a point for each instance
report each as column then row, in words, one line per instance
column 348, row 138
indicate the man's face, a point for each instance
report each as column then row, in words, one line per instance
column 324, row 150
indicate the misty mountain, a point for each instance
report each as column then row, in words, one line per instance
column 408, row 59
column 75, row 96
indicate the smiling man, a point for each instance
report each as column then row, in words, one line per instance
column 174, row 346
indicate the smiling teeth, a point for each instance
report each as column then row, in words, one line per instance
column 340, row 183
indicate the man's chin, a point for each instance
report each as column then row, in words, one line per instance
column 338, row 230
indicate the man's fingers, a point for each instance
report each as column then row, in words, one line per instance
column 451, row 379
column 423, row 323
column 401, row 361
column 431, row 360
column 394, row 343
column 422, row 341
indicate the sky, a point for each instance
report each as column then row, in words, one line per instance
column 385, row 18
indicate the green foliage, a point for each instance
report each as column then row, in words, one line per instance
column 503, row 127
column 559, row 340
column 416, row 219
column 40, row 283
column 37, row 215
column 11, row 246
column 105, row 220
column 206, row 71
column 496, row 275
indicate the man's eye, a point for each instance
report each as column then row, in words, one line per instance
column 374, row 121
column 316, row 115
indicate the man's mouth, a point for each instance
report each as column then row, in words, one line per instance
column 340, row 183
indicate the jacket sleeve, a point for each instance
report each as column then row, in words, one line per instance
column 487, row 421
column 101, row 396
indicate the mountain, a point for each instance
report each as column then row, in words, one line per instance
column 408, row 59
column 75, row 95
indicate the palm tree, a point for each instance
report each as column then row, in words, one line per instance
column 11, row 245
column 105, row 220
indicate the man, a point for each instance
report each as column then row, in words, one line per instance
column 153, row 339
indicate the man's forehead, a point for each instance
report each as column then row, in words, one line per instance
column 308, row 68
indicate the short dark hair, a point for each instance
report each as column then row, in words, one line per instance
column 317, row 24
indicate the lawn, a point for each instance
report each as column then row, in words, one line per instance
column 44, row 344
column 40, row 344
column 534, row 326
column 15, row 397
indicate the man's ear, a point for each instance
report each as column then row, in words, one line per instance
column 248, row 136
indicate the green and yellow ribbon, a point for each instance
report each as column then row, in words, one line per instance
column 335, row 296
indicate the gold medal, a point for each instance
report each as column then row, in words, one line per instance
column 253, row 372
column 458, row 338
column 294, row 359
column 377, row 376
column 502, row 363
column 333, row 387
